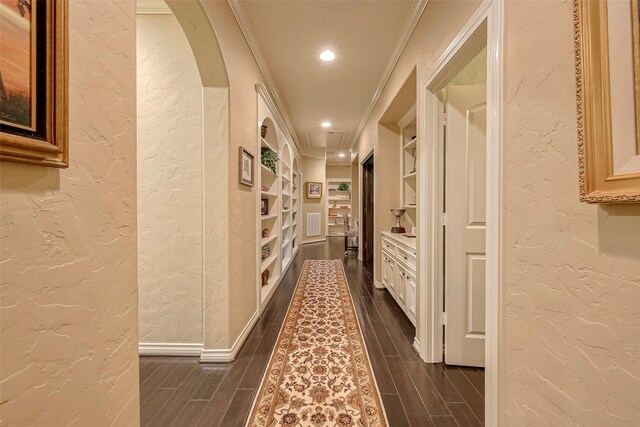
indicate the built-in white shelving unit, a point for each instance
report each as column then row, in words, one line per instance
column 295, row 207
column 279, row 186
column 338, row 206
column 287, row 203
column 409, row 179
column 268, row 183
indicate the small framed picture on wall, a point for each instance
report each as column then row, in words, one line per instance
column 264, row 206
column 245, row 169
column 314, row 190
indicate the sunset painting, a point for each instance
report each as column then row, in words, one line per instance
column 17, row 66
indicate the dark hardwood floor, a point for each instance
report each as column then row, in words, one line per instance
column 179, row 391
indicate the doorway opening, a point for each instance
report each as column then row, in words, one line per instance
column 461, row 193
column 464, row 221
column 367, row 211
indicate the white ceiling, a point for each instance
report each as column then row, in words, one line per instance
column 288, row 37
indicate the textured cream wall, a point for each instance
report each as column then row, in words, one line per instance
column 571, row 272
column 244, row 74
column 68, row 349
column 438, row 26
column 169, row 184
column 314, row 170
column 571, row 297
column 436, row 29
column 340, row 172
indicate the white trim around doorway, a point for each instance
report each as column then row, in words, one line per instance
column 360, row 189
column 489, row 13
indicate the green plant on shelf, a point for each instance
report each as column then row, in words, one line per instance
column 343, row 187
column 269, row 158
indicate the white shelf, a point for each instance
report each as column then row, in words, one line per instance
column 266, row 240
column 284, row 178
column 267, row 262
column 267, row 145
column 410, row 175
column 409, row 206
column 266, row 171
column 285, row 227
column 265, row 217
column 264, row 292
column 339, row 199
column 285, row 262
column 409, row 145
column 268, row 193
column 286, row 242
column 286, row 194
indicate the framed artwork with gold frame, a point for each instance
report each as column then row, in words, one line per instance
column 314, row 190
column 34, row 82
column 607, row 43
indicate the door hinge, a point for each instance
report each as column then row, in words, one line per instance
column 444, row 119
column 443, row 319
column 444, row 219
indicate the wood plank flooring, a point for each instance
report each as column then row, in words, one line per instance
column 179, row 391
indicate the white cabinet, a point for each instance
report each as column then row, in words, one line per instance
column 399, row 271
column 411, row 297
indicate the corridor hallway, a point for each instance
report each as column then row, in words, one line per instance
column 180, row 391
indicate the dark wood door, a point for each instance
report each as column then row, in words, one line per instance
column 367, row 211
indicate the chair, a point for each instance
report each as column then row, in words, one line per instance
column 350, row 231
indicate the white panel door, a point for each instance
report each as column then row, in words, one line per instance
column 465, row 231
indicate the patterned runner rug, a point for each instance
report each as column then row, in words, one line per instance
column 319, row 373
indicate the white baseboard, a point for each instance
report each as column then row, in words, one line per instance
column 169, row 349
column 306, row 242
column 229, row 355
column 378, row 285
column 416, row 345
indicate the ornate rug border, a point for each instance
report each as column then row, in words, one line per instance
column 359, row 330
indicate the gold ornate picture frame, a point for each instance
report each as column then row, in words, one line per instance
column 609, row 167
column 34, row 82
column 314, row 190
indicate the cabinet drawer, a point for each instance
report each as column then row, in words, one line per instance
column 409, row 258
column 388, row 246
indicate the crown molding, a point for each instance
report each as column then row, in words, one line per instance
column 152, row 8
column 416, row 13
column 277, row 106
column 270, row 87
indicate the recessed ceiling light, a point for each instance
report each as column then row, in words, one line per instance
column 327, row 56
column 326, row 124
column 340, row 154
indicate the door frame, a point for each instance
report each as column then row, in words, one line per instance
column 489, row 16
column 361, row 201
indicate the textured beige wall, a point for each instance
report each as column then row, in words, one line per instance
column 69, row 337
column 314, row 170
column 170, row 228
column 571, row 297
column 340, row 172
column 436, row 29
column 571, row 272
column 243, row 74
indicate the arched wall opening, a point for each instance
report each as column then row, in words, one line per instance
column 183, row 180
